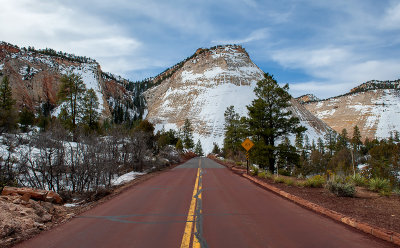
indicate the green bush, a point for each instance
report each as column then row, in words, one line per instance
column 396, row 191
column 254, row 170
column 316, row 181
column 269, row 175
column 288, row 181
column 283, row 172
column 380, row 185
column 279, row 179
column 261, row 174
column 341, row 188
column 359, row 180
column 300, row 183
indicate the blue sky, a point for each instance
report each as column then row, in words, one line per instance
column 320, row 47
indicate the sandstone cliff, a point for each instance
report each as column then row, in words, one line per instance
column 201, row 88
column 376, row 112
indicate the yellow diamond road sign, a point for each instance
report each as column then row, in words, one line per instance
column 247, row 144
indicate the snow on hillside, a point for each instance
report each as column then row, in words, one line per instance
column 89, row 75
column 29, row 63
column 202, row 90
column 387, row 110
column 375, row 112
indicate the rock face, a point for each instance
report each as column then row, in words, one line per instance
column 375, row 111
column 203, row 87
column 307, row 98
column 34, row 77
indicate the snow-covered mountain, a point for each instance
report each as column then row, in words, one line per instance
column 34, row 77
column 373, row 106
column 202, row 87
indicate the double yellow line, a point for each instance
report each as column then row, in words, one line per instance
column 191, row 218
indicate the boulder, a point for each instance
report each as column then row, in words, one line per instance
column 35, row 194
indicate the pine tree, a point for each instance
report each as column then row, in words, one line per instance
column 90, row 105
column 356, row 140
column 233, row 131
column 216, row 149
column 188, row 142
column 198, row 149
column 8, row 117
column 6, row 100
column 343, row 140
column 71, row 92
column 270, row 119
column 299, row 141
column 26, row 118
column 320, row 145
column 331, row 140
column 179, row 145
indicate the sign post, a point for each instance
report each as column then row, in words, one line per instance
column 247, row 144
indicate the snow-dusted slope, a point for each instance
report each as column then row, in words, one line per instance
column 375, row 112
column 204, row 87
column 35, row 79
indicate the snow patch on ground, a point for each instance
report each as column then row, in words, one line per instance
column 126, row 178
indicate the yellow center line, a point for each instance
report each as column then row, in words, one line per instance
column 196, row 243
column 190, row 219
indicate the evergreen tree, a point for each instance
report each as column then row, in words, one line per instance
column 26, row 118
column 198, row 149
column 233, row 131
column 396, row 136
column 331, row 140
column 287, row 156
column 343, row 140
column 6, row 100
column 299, row 141
column 8, row 118
column 356, row 140
column 313, row 146
column 90, row 105
column 216, row 149
column 187, row 131
column 179, row 145
column 320, row 145
column 307, row 145
column 71, row 92
column 270, row 119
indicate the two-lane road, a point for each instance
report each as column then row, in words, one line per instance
column 201, row 204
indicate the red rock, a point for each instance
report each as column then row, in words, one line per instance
column 26, row 197
column 56, row 198
column 36, row 194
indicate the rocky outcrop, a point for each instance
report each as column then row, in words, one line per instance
column 307, row 98
column 35, row 194
column 21, row 218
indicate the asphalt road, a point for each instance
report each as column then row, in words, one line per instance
column 208, row 206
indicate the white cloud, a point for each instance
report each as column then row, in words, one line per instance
column 391, row 19
column 49, row 24
column 310, row 59
column 259, row 34
column 337, row 70
column 320, row 89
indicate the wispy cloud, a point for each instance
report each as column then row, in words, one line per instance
column 391, row 19
column 323, row 46
column 256, row 35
